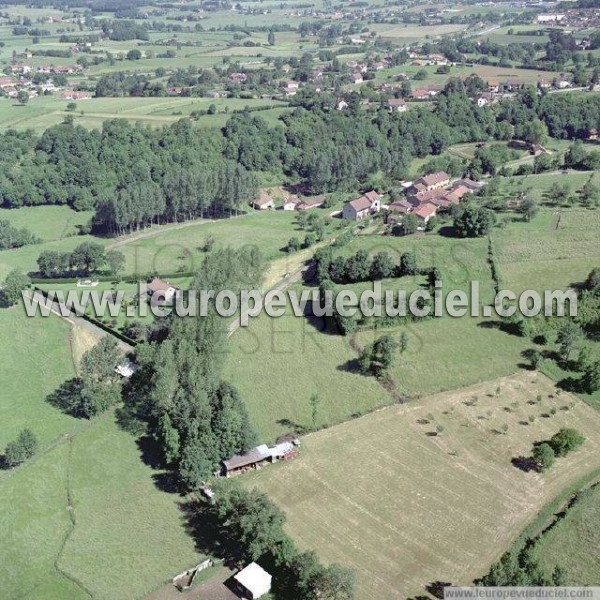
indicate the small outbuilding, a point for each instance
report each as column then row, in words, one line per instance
column 252, row 582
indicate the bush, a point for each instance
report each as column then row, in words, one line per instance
column 565, row 441
column 544, row 456
column 24, row 447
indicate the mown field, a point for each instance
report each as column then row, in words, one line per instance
column 457, row 500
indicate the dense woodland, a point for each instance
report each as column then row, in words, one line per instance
column 196, row 418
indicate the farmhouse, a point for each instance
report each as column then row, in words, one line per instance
column 312, row 202
column 396, row 105
column 264, row 201
column 290, row 202
column 252, row 582
column 362, row 207
column 290, row 88
column 162, row 288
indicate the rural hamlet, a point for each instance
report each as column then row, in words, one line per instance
column 299, row 300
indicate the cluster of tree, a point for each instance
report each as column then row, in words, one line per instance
column 12, row 287
column 256, row 527
column 128, row 84
column 378, row 357
column 314, row 225
column 196, row 418
column 121, row 30
column 521, row 569
column 132, row 176
column 473, row 220
column 98, row 386
column 561, row 443
column 12, row 237
column 86, row 258
column 19, row 450
column 359, row 267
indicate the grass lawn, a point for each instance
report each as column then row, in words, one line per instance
column 456, row 501
column 574, row 541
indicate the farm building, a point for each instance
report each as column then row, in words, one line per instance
column 312, row 202
column 264, row 202
column 396, row 105
column 163, row 289
column 362, row 207
column 252, row 582
column 126, row 369
column 259, row 456
column 290, row 202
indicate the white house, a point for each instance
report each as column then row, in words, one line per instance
column 252, row 582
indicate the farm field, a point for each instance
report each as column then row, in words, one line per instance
column 457, row 501
column 42, row 112
column 131, row 528
column 179, row 248
column 36, row 351
column 47, row 222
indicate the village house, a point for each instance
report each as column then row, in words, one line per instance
column 396, row 105
column 6, row 82
column 362, row 207
column 493, row 85
column 252, row 582
column 72, row 95
column 311, row 202
column 341, row 105
column 401, row 206
column 238, row 78
column 290, row 88
column 356, row 77
column 425, row 211
column 434, row 181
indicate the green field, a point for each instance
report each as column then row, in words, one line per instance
column 48, row 223
column 278, row 363
column 573, row 542
column 452, row 493
column 89, row 471
column 44, row 111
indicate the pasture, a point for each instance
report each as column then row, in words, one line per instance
column 573, row 542
column 457, row 501
column 89, row 491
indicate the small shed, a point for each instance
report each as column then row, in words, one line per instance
column 252, row 582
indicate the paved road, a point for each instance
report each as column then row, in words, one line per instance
column 73, row 319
